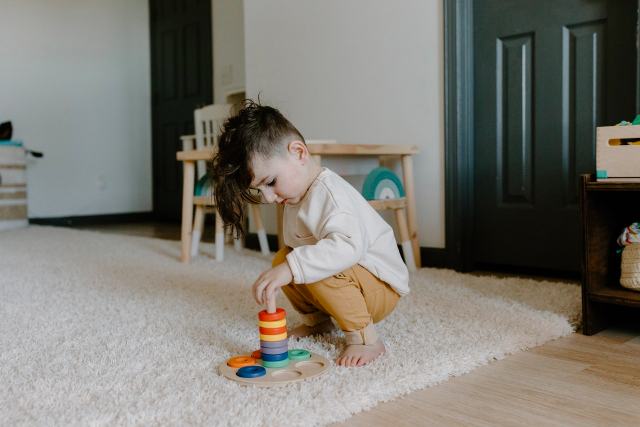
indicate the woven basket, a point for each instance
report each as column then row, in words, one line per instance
column 630, row 267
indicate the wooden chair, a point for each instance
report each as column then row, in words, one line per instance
column 208, row 123
column 398, row 206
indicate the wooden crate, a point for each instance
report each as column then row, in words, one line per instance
column 606, row 208
column 13, row 187
column 618, row 153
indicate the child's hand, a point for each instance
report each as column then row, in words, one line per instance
column 270, row 281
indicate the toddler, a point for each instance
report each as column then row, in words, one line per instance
column 341, row 259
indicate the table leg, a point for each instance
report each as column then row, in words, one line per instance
column 188, row 176
column 407, row 176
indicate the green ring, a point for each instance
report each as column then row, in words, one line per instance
column 277, row 364
column 299, row 354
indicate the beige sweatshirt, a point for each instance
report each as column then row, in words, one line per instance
column 333, row 228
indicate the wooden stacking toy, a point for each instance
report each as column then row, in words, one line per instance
column 274, row 364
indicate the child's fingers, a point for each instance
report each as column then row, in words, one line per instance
column 271, row 291
column 258, row 292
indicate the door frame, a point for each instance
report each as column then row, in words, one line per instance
column 459, row 126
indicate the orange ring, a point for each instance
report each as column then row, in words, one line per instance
column 278, row 315
column 273, row 331
column 257, row 354
column 241, row 361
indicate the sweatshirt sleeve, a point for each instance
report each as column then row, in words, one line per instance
column 340, row 245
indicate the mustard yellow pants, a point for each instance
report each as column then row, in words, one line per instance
column 354, row 298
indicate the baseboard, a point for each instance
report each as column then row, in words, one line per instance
column 431, row 257
column 436, row 258
column 81, row 221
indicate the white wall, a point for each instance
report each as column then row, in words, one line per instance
column 359, row 71
column 75, row 82
column 228, row 48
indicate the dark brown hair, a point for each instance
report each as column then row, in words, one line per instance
column 255, row 130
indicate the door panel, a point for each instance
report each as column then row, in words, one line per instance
column 181, row 80
column 546, row 74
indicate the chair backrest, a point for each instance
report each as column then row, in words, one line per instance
column 208, row 122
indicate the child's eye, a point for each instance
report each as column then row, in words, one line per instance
column 272, row 183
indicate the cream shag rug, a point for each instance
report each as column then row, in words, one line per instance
column 99, row 329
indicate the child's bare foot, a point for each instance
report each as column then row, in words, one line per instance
column 360, row 354
column 304, row 330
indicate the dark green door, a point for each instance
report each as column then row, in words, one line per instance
column 546, row 73
column 181, row 81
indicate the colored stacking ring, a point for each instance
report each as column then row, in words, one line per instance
column 241, row 361
column 257, row 354
column 278, row 364
column 274, row 324
column 275, row 357
column 272, row 344
column 273, row 331
column 265, row 316
column 251, row 372
column 299, row 354
column 274, row 350
column 277, row 337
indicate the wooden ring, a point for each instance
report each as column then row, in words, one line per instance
column 251, row 372
column 278, row 364
column 277, row 337
column 274, row 350
column 273, row 331
column 274, row 344
column 299, row 354
column 273, row 324
column 275, row 357
column 270, row 317
column 241, row 361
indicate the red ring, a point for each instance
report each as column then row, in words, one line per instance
column 278, row 315
column 273, row 331
column 257, row 354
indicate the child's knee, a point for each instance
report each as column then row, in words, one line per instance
column 281, row 256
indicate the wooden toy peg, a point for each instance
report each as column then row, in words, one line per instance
column 271, row 304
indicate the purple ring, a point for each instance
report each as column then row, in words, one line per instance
column 271, row 344
column 274, row 350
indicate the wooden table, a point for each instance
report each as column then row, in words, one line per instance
column 405, row 152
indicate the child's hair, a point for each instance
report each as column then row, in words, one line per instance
column 256, row 130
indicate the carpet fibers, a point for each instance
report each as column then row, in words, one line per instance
column 99, row 329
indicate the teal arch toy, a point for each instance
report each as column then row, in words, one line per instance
column 203, row 186
column 381, row 183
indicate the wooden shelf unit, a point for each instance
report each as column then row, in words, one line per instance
column 606, row 208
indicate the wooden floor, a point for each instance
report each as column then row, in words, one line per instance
column 573, row 381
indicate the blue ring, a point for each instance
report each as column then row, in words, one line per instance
column 251, row 371
column 275, row 357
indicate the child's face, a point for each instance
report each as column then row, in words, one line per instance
column 282, row 178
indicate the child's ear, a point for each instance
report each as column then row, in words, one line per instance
column 298, row 149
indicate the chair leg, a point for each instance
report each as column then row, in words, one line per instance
column 262, row 234
column 237, row 244
column 219, row 237
column 196, row 235
column 405, row 240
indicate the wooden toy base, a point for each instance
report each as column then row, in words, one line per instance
column 296, row 371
